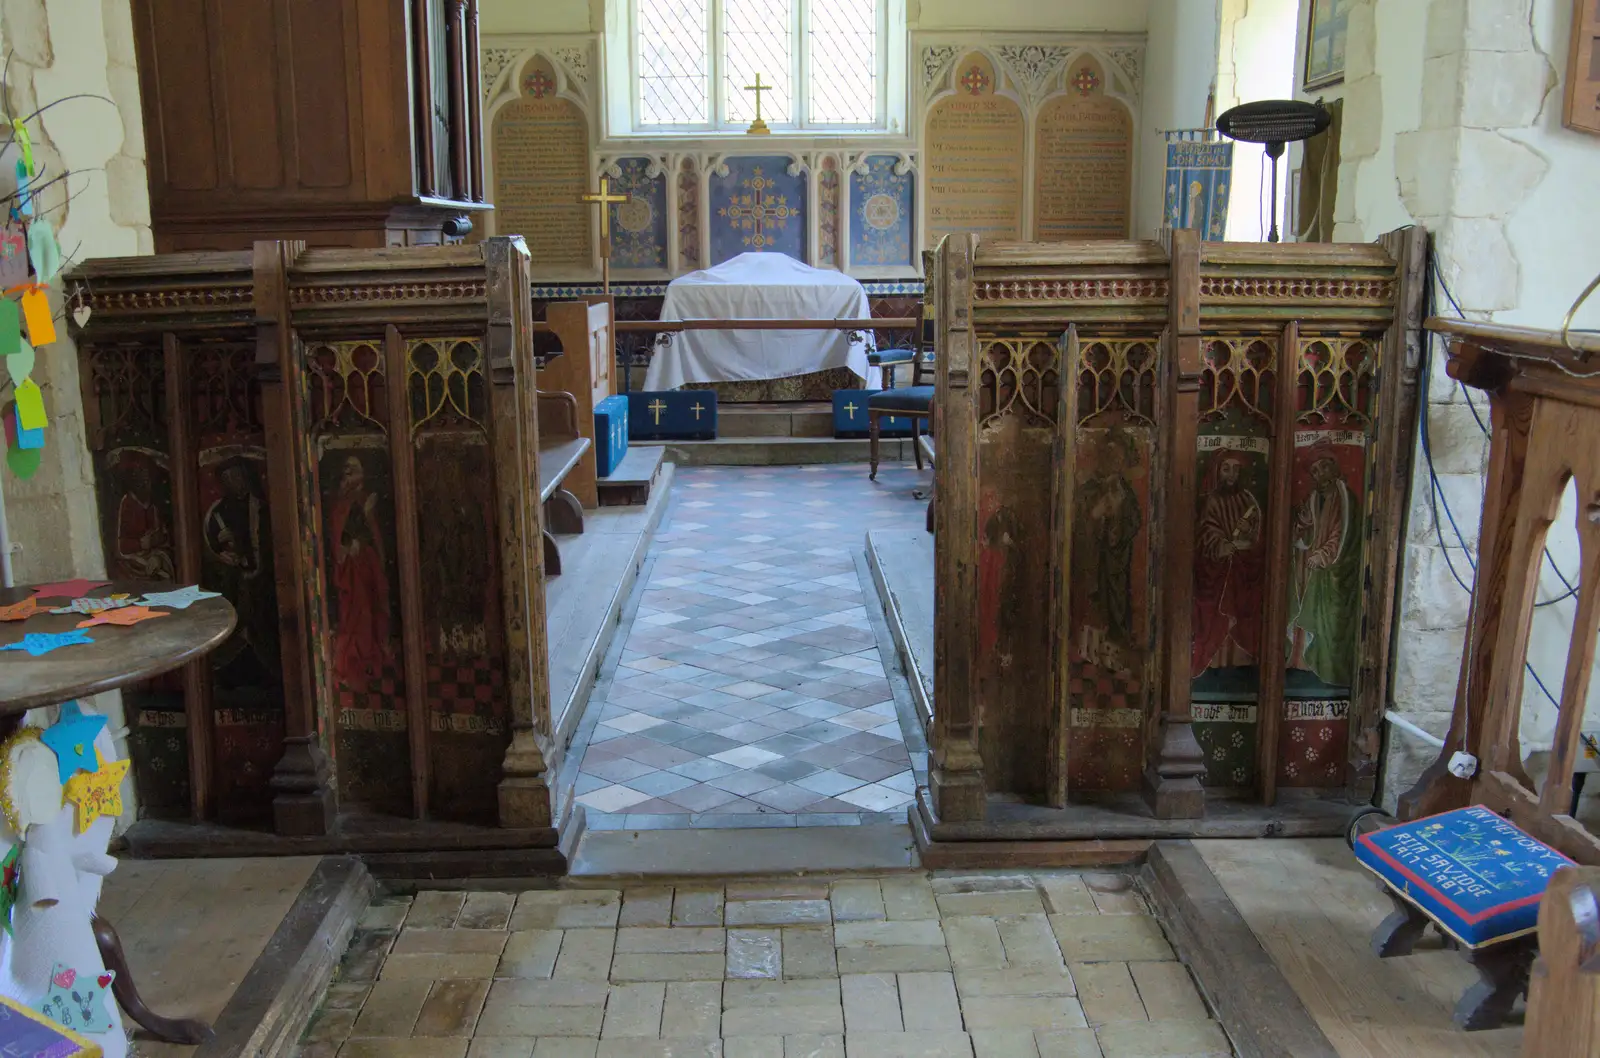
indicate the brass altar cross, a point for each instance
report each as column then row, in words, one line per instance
column 605, row 199
column 758, row 127
column 657, row 406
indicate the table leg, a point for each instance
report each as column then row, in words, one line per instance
column 188, row 1031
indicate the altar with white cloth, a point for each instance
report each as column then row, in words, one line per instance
column 755, row 286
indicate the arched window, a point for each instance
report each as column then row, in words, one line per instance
column 825, row 63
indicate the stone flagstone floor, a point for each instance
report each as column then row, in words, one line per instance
column 750, row 690
column 1042, row 965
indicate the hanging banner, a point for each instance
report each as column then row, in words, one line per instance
column 1199, row 177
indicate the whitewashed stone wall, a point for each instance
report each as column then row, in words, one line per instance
column 1452, row 121
column 60, row 48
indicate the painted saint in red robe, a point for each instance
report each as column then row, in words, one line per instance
column 360, row 583
column 1228, row 570
column 144, row 547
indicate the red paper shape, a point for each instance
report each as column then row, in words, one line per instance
column 68, row 589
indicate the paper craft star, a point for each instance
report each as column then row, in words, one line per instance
column 72, row 737
column 68, row 589
column 91, row 605
column 124, row 616
column 97, row 793
column 40, row 643
column 180, row 599
column 20, row 611
column 10, row 875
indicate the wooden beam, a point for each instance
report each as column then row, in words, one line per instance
column 185, row 463
column 1275, row 611
column 408, row 552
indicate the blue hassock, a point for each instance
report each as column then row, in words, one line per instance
column 850, row 415
column 610, row 433
column 672, row 415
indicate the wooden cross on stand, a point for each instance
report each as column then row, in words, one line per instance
column 604, row 199
column 758, row 127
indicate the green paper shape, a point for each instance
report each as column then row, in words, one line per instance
column 19, row 364
column 44, row 253
column 10, row 332
column 24, row 462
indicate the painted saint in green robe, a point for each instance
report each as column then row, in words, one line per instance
column 1326, row 559
column 1112, row 518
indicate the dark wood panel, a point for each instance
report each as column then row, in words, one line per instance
column 177, row 92
column 320, row 84
column 248, row 44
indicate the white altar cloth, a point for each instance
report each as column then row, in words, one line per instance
column 755, row 286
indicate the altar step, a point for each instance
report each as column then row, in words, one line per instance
column 788, row 434
column 629, row 485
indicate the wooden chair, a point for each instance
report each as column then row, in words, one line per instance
column 914, row 402
column 1544, row 401
column 561, row 451
column 1564, row 995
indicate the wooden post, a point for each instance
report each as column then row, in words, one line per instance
column 186, row 516
column 422, row 56
column 304, row 801
column 408, row 551
column 460, row 107
column 525, row 796
column 955, row 779
column 1275, row 608
column 1172, row 777
column 474, row 106
column 1062, row 503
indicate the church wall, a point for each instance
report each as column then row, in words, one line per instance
column 1180, row 66
column 1453, row 120
column 59, row 48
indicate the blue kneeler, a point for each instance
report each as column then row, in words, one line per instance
column 1478, row 878
column 610, row 433
column 850, row 415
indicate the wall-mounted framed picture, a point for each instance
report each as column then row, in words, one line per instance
column 1325, row 40
column 1582, row 112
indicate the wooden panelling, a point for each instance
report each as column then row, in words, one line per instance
column 323, row 90
column 246, row 62
column 177, row 95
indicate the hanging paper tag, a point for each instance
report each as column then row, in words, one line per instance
column 13, row 257
column 24, row 462
column 24, row 144
column 30, row 439
column 36, row 308
column 24, row 191
column 10, row 331
column 44, row 253
column 19, row 365
column 30, row 406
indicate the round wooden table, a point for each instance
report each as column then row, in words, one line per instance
column 119, row 655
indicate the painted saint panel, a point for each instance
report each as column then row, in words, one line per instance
column 469, row 709
column 758, row 206
column 881, row 208
column 639, row 226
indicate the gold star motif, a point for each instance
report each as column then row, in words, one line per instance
column 97, row 793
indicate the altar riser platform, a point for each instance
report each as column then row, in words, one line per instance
column 784, row 451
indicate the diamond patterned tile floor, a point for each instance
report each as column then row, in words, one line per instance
column 750, row 690
column 1043, row 964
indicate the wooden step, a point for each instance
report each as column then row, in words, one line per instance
column 785, row 451
column 799, row 419
column 629, row 485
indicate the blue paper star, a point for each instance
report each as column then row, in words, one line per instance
column 72, row 737
column 180, row 599
column 37, row 643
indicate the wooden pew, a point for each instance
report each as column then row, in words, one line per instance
column 1564, row 996
column 585, row 331
column 1544, row 404
column 561, row 452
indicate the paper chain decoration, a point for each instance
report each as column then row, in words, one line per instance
column 97, row 793
column 24, row 415
column 72, row 737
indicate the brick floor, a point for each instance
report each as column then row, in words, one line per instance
column 908, row 966
column 750, row 690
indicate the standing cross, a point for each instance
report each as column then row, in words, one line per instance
column 758, row 127
column 604, row 199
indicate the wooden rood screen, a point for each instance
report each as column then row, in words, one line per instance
column 344, row 444
column 1165, row 558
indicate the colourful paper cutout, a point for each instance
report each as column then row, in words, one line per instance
column 97, row 793
column 30, row 406
column 89, row 604
column 72, row 737
column 41, row 643
column 68, row 589
column 24, row 141
column 44, row 253
column 79, row 1001
column 10, row 877
column 81, row 313
column 19, row 363
column 30, row 440
column 36, row 312
column 130, row 615
column 20, row 611
column 181, row 599
column 24, row 192
column 24, row 462
column 13, row 257
column 10, row 331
